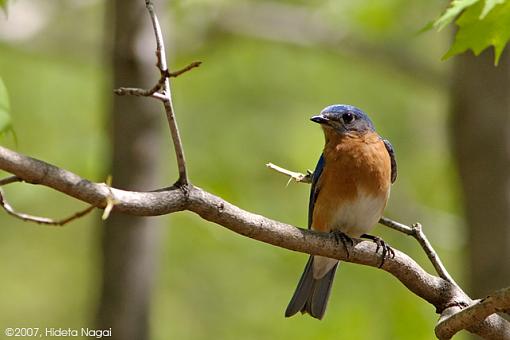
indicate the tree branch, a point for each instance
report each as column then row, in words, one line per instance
column 296, row 176
column 185, row 69
column 9, row 180
column 417, row 232
column 450, row 322
column 167, row 95
column 449, row 325
column 442, row 294
column 31, row 218
column 41, row 220
column 162, row 91
column 134, row 91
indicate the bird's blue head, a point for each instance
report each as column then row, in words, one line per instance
column 344, row 119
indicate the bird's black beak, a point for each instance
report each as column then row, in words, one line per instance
column 319, row 119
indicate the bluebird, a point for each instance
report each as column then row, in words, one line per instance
column 350, row 188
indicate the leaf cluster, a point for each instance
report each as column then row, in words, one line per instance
column 481, row 24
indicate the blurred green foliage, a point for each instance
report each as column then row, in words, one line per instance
column 249, row 103
column 3, row 5
column 5, row 118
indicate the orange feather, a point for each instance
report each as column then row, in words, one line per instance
column 356, row 166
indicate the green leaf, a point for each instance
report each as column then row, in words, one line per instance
column 456, row 7
column 489, row 5
column 478, row 34
column 5, row 118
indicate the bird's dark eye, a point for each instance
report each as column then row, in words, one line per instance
column 347, row 117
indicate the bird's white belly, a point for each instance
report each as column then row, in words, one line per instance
column 354, row 218
column 359, row 216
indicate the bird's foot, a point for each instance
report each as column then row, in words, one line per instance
column 344, row 238
column 387, row 251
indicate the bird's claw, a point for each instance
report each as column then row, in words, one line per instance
column 387, row 251
column 344, row 238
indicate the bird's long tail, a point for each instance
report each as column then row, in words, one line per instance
column 311, row 295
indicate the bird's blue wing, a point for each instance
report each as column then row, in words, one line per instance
column 314, row 192
column 391, row 152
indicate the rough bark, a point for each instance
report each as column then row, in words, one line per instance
column 129, row 243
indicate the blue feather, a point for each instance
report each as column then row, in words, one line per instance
column 314, row 192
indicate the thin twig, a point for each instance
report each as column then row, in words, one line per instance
column 184, row 69
column 420, row 236
column 396, row 226
column 134, row 91
column 162, row 91
column 41, row 220
column 415, row 231
column 110, row 199
column 9, row 180
column 167, row 101
column 296, row 176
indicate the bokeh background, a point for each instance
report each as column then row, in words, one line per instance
column 268, row 66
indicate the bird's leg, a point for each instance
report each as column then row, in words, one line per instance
column 342, row 237
column 386, row 249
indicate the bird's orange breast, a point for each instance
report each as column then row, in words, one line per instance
column 354, row 185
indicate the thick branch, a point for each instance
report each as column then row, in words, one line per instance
column 437, row 291
column 449, row 325
column 97, row 194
